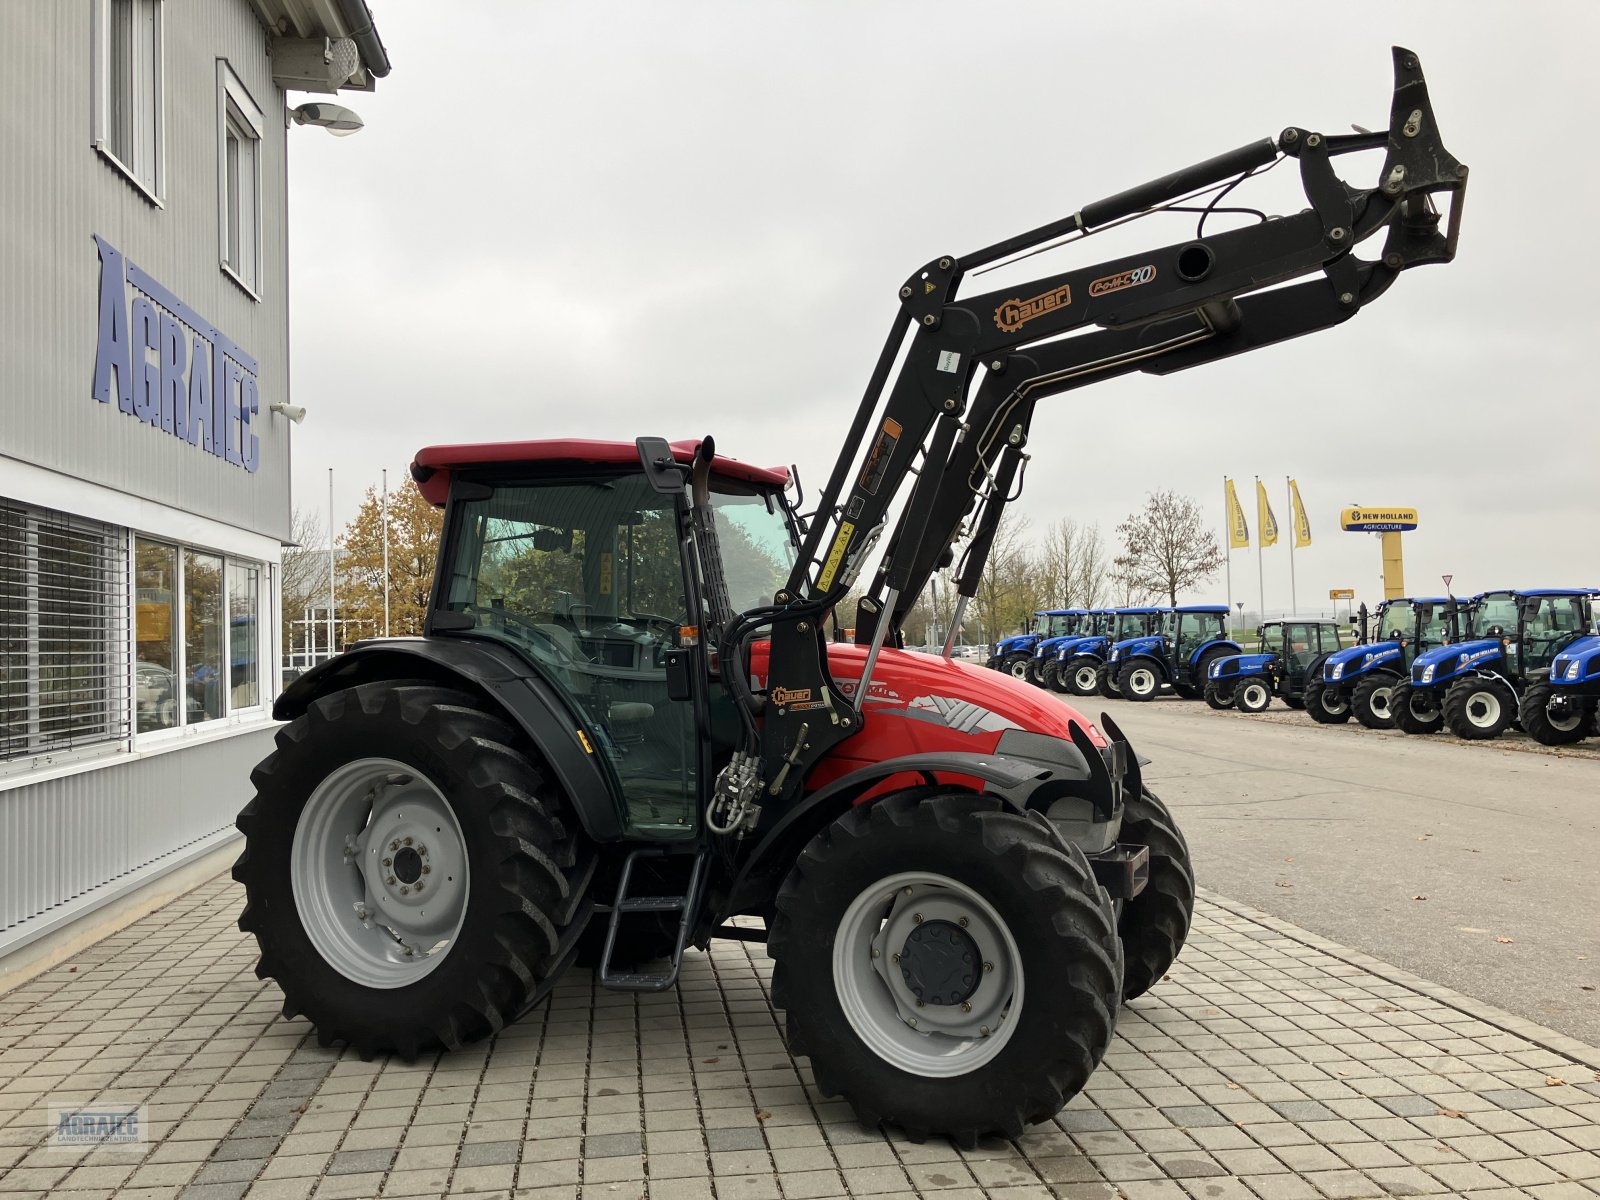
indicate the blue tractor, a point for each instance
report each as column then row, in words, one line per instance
column 1291, row 655
column 1065, row 624
column 1097, row 627
column 1180, row 656
column 1014, row 655
column 1081, row 663
column 1360, row 680
column 1475, row 686
column 1559, row 708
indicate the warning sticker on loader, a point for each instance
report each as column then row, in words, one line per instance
column 841, row 543
column 877, row 463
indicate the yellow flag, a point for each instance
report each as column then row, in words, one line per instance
column 1266, row 523
column 1302, row 527
column 1238, row 531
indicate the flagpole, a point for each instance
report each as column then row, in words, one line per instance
column 330, row 562
column 386, row 552
column 1261, row 579
column 1227, row 543
column 1294, row 536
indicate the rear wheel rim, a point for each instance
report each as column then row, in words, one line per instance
column 378, row 867
column 1483, row 709
column 917, row 917
column 1019, row 669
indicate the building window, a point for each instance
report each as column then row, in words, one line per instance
column 63, row 632
column 198, row 640
column 239, row 188
column 129, row 125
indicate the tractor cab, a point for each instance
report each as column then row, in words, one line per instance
column 1290, row 656
column 1014, row 654
column 1061, row 625
column 1134, row 624
column 1191, row 639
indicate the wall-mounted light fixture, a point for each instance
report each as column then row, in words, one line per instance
column 293, row 411
column 335, row 118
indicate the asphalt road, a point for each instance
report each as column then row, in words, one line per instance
column 1476, row 865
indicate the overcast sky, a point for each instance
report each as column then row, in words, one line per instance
column 574, row 219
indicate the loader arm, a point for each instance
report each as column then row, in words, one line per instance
column 1159, row 311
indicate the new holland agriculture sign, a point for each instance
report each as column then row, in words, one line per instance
column 1378, row 520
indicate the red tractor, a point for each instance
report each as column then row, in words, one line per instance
column 628, row 731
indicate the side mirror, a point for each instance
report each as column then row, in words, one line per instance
column 1261, row 633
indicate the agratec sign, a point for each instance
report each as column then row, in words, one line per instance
column 173, row 369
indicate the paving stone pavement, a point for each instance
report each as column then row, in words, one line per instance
column 1269, row 1066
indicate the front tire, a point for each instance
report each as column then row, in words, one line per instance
column 1155, row 924
column 408, row 874
column 952, row 884
column 1220, row 695
column 1105, row 682
column 1478, row 709
column 1373, row 701
column 1138, row 681
column 1053, row 679
column 1253, row 695
column 1327, row 703
column 1415, row 711
column 1553, row 717
column 1082, row 675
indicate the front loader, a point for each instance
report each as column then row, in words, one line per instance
column 626, row 729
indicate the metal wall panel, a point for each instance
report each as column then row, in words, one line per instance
column 57, row 192
column 63, row 837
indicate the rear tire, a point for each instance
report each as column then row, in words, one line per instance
column 1220, row 695
column 1553, row 717
column 1138, row 681
column 1082, row 675
column 1253, row 695
column 1478, row 709
column 328, row 883
column 1415, row 711
column 1326, row 704
column 1105, row 682
column 1155, row 924
column 1016, row 665
column 1036, row 914
column 1054, row 679
column 1372, row 701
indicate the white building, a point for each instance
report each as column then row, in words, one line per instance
column 144, row 453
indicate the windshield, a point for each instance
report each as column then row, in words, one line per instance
column 1435, row 624
column 1559, row 615
column 1060, row 624
column 757, row 547
column 1396, row 623
column 1497, row 610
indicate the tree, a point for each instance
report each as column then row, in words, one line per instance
column 1012, row 587
column 1167, row 547
column 414, row 527
column 303, row 573
column 1073, row 564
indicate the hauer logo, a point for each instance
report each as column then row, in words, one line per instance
column 1014, row 314
column 783, row 695
column 1125, row 279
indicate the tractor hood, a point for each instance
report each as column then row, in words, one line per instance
column 1240, row 664
column 1051, row 645
column 1017, row 641
column 1093, row 643
column 1446, row 662
column 1150, row 644
column 1353, row 660
column 1578, row 663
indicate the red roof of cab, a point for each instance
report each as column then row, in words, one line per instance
column 431, row 468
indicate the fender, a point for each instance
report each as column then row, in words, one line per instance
column 1145, row 656
column 509, row 682
column 1232, row 647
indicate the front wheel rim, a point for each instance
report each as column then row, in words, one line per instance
column 1254, row 696
column 1019, row 670
column 1563, row 715
column 378, row 867
column 1483, row 709
column 915, row 921
column 1086, row 678
column 1142, row 681
column 1379, row 703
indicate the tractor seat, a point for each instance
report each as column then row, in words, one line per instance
column 630, row 712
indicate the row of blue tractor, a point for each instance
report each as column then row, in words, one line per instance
column 1131, row 652
column 1479, row 666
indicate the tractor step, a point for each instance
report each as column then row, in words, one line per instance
column 626, row 906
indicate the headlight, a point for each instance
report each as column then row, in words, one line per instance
column 1216, row 668
column 1427, row 673
column 1572, row 671
column 1114, row 654
column 1039, row 653
column 1338, row 670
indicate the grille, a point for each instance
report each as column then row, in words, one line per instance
column 63, row 632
